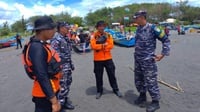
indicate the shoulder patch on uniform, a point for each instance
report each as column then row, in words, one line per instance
column 162, row 34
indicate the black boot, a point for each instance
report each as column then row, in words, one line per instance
column 68, row 104
column 62, row 108
column 98, row 95
column 141, row 100
column 117, row 93
column 153, row 106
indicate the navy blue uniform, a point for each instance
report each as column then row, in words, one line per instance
column 64, row 46
column 145, row 65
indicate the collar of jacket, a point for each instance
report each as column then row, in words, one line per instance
column 97, row 34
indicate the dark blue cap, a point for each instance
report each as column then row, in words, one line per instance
column 63, row 24
column 140, row 13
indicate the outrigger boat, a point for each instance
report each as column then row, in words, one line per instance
column 120, row 39
column 124, row 41
column 8, row 42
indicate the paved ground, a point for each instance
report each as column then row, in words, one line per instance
column 183, row 66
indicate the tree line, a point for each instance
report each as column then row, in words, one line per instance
column 156, row 13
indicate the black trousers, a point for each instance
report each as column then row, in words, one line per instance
column 19, row 43
column 42, row 104
column 110, row 69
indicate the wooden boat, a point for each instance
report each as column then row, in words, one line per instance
column 124, row 42
column 120, row 39
column 9, row 42
column 5, row 44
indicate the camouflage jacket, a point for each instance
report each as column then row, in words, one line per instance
column 146, row 37
column 63, row 46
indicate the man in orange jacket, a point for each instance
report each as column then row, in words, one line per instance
column 102, row 43
column 38, row 56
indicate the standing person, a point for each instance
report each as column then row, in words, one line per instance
column 62, row 44
column 82, row 38
column 102, row 43
column 39, row 59
column 18, row 40
column 179, row 29
column 166, row 31
column 145, row 60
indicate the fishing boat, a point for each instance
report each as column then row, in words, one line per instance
column 124, row 42
column 4, row 45
column 120, row 39
column 9, row 42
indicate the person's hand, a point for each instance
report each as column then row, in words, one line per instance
column 56, row 107
column 105, row 44
column 55, row 104
column 159, row 57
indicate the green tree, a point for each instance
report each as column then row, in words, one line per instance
column 5, row 29
column 18, row 26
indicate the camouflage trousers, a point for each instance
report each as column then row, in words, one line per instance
column 146, row 78
column 65, row 83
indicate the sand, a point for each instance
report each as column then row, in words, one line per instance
column 183, row 65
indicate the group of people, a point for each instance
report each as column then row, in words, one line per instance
column 50, row 90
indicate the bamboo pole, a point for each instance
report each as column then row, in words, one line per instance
column 178, row 88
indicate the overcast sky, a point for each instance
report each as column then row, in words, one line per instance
column 12, row 10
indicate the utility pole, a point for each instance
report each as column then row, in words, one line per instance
column 23, row 24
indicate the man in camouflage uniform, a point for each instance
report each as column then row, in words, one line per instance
column 145, row 60
column 62, row 44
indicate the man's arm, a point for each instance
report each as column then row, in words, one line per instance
column 160, row 35
column 94, row 45
column 109, row 43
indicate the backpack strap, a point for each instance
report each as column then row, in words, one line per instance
column 26, row 62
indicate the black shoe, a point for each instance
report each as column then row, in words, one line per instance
column 67, row 99
column 141, row 100
column 98, row 95
column 117, row 93
column 68, row 106
column 153, row 106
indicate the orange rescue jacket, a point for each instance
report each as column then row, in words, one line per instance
column 102, row 52
column 52, row 54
